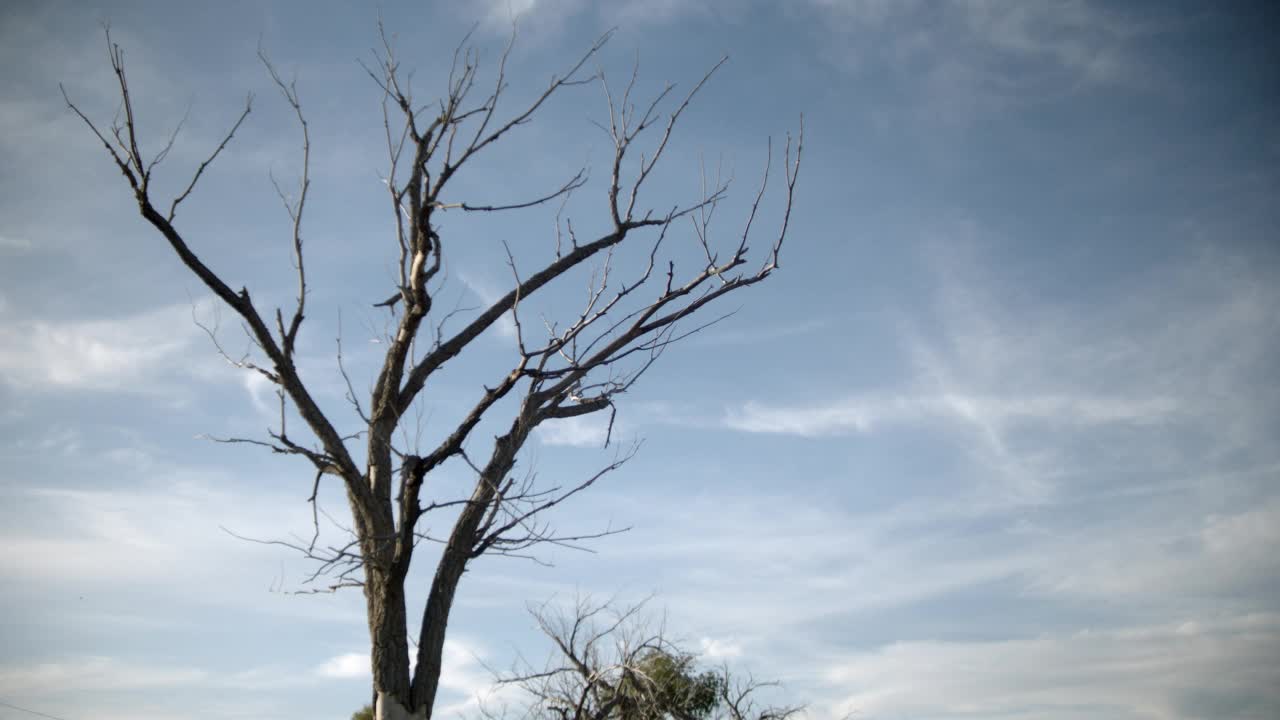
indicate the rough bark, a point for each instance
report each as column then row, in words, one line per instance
column 388, row 707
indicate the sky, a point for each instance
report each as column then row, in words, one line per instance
column 997, row 441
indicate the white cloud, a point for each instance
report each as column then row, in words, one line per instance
column 503, row 12
column 813, row 420
column 488, row 293
column 633, row 12
column 718, row 648
column 93, row 673
column 159, row 522
column 261, row 393
column 547, row 18
column 462, row 674
column 1218, row 555
column 1200, row 667
column 864, row 414
column 534, row 20
column 1081, row 37
column 18, row 244
column 959, row 61
column 1094, row 494
column 728, row 565
column 582, row 431
column 1019, row 382
column 345, row 667
column 758, row 572
column 120, row 537
column 135, row 353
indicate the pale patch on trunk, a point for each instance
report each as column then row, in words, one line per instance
column 389, row 709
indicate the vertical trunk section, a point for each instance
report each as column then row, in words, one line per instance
column 384, row 582
column 435, row 620
column 388, row 630
column 388, row 708
column 453, row 563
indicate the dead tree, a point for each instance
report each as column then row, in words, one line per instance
column 576, row 367
column 612, row 663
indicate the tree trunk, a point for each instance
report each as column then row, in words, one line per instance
column 435, row 621
column 388, row 635
column 389, row 709
column 453, row 563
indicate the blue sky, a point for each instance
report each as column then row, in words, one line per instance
column 999, row 441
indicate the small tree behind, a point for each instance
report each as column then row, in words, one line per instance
column 574, row 366
column 610, row 664
column 665, row 682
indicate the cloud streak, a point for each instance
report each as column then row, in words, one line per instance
column 14, row 244
column 133, row 353
column 1217, row 667
column 582, row 431
column 866, row 414
column 94, row 673
column 505, row 327
column 1024, row 384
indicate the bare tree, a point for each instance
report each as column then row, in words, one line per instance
column 612, row 663
column 572, row 367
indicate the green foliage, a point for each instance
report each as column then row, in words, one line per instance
column 663, row 684
column 364, row 713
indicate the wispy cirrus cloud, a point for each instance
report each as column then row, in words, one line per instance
column 867, row 413
column 346, row 666
column 464, row 678
column 131, row 353
column 78, row 674
column 14, row 244
column 537, row 18
column 155, row 521
column 761, row 334
column 1207, row 667
column 1052, row 583
column 1083, row 40
column 1178, row 553
column 582, row 431
column 94, row 673
column 957, row 63
column 1032, row 381
column 489, row 293
column 548, row 17
column 1118, row 468
column 719, row 648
